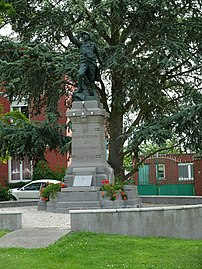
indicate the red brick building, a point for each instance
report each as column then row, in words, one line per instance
column 170, row 174
column 14, row 170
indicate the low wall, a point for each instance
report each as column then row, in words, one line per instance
column 10, row 221
column 175, row 222
column 19, row 203
column 177, row 200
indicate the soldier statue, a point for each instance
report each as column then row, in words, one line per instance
column 88, row 71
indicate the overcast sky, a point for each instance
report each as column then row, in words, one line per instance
column 5, row 30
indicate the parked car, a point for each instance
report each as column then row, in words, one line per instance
column 32, row 189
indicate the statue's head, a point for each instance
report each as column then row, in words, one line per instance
column 85, row 35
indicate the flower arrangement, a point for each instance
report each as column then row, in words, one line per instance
column 124, row 196
column 112, row 190
column 51, row 190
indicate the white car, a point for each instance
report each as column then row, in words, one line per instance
column 32, row 189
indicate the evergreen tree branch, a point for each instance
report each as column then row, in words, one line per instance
column 144, row 158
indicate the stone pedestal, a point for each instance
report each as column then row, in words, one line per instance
column 88, row 145
column 89, row 165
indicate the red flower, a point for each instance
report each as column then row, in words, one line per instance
column 105, row 182
column 62, row 185
column 44, row 199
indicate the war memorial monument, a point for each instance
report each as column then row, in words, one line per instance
column 89, row 166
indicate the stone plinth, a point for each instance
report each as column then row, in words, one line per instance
column 91, row 198
column 88, row 143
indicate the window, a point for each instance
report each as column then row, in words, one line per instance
column 160, row 171
column 19, row 170
column 185, row 171
column 21, row 108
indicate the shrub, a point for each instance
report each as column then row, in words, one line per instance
column 5, row 195
column 42, row 170
column 16, row 185
column 51, row 191
column 112, row 190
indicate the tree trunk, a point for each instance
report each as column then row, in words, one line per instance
column 116, row 127
column 116, row 143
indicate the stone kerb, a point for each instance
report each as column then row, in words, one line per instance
column 176, row 200
column 174, row 222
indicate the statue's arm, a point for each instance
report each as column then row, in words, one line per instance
column 97, row 53
column 74, row 40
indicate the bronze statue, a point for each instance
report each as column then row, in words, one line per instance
column 88, row 71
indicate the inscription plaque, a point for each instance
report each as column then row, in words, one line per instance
column 82, row 181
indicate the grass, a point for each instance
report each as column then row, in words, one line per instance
column 90, row 251
column 2, row 233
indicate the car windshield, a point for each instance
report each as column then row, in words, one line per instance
column 33, row 187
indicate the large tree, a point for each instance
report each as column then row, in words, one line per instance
column 5, row 11
column 152, row 65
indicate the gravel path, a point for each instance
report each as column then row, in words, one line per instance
column 32, row 218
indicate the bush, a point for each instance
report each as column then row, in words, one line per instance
column 5, row 195
column 51, row 191
column 16, row 185
column 42, row 170
column 112, row 190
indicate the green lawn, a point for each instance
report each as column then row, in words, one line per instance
column 2, row 233
column 91, row 251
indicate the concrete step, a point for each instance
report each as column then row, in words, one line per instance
column 78, row 196
column 86, row 204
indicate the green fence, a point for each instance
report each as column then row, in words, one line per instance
column 170, row 189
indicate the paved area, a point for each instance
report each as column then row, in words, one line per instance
column 39, row 228
column 32, row 237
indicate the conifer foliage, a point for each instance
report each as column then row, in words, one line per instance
column 152, row 65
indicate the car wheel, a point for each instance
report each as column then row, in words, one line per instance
column 13, row 198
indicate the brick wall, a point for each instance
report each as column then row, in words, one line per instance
column 172, row 170
column 4, row 167
column 198, row 176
